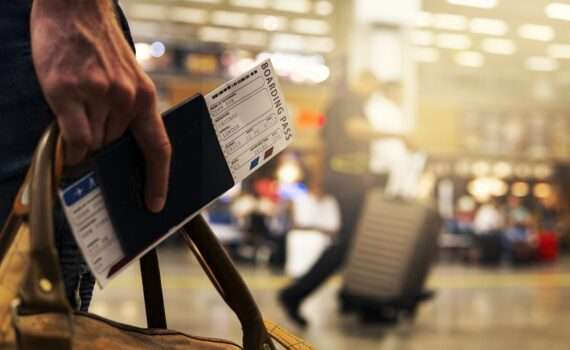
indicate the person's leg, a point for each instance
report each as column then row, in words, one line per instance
column 330, row 261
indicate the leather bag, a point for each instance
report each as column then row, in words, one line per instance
column 35, row 314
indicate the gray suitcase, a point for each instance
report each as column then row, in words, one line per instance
column 393, row 250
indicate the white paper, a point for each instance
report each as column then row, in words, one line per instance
column 89, row 220
column 251, row 119
column 252, row 125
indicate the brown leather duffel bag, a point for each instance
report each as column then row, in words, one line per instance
column 35, row 314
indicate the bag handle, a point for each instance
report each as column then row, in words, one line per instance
column 42, row 290
column 228, row 282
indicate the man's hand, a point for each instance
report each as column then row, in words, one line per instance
column 95, row 87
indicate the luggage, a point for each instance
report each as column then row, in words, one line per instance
column 394, row 247
column 35, row 314
column 548, row 246
column 490, row 248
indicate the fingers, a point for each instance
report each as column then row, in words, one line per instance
column 122, row 98
column 76, row 130
column 150, row 134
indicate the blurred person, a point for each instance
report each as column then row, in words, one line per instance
column 519, row 233
column 73, row 62
column 315, row 224
column 347, row 135
column 488, row 227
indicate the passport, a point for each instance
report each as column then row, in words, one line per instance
column 217, row 141
column 198, row 175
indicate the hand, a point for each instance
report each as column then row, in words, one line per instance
column 95, row 87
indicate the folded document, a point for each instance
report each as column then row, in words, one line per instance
column 217, row 140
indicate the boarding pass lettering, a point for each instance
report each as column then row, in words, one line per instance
column 251, row 119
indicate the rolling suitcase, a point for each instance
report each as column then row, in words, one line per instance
column 394, row 247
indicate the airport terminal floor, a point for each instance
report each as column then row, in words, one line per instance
column 475, row 308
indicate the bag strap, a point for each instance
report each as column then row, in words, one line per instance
column 228, row 282
column 152, row 291
column 42, row 290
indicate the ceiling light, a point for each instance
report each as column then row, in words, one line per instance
column 324, row 8
column 453, row 41
column 499, row 46
column 251, row 37
column 422, row 38
column 271, row 23
column 541, row 64
column 559, row 51
column 320, row 44
column 424, row 19
column 260, row 4
column 558, row 11
column 310, row 26
column 299, row 6
column 288, row 42
column 450, row 22
column 484, row 4
column 488, row 26
column 426, row 55
column 148, row 11
column 470, row 59
column 144, row 52
column 188, row 15
column 536, row 32
column 215, row 34
column 230, row 19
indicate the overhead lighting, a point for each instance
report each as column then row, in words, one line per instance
column 230, row 19
column 536, row 32
column 499, row 46
column 144, row 52
column 288, row 42
column 471, row 59
column 298, row 6
column 323, row 8
column 260, row 4
column 215, row 34
column 561, row 51
column 488, row 26
column 449, row 22
column 541, row 64
column 188, row 15
column 252, row 38
column 310, row 26
column 320, row 44
column 422, row 38
column 558, row 11
column 270, row 23
column 157, row 49
column 424, row 19
column 148, row 11
column 520, row 189
column 484, row 4
column 453, row 41
column 426, row 55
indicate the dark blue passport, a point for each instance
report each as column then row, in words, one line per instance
column 199, row 174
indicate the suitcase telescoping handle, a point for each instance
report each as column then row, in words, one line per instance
column 43, row 290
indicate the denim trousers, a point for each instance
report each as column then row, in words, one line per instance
column 24, row 115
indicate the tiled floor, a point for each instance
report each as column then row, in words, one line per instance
column 474, row 308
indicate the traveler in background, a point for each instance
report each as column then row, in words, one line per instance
column 347, row 135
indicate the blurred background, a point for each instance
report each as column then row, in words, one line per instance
column 470, row 96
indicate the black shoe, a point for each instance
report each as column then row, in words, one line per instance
column 291, row 308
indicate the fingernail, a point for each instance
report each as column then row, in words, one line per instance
column 156, row 204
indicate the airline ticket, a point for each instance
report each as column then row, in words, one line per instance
column 251, row 120
column 252, row 125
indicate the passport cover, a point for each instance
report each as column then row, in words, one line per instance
column 199, row 174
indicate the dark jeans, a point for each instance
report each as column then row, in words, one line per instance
column 24, row 115
column 350, row 196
